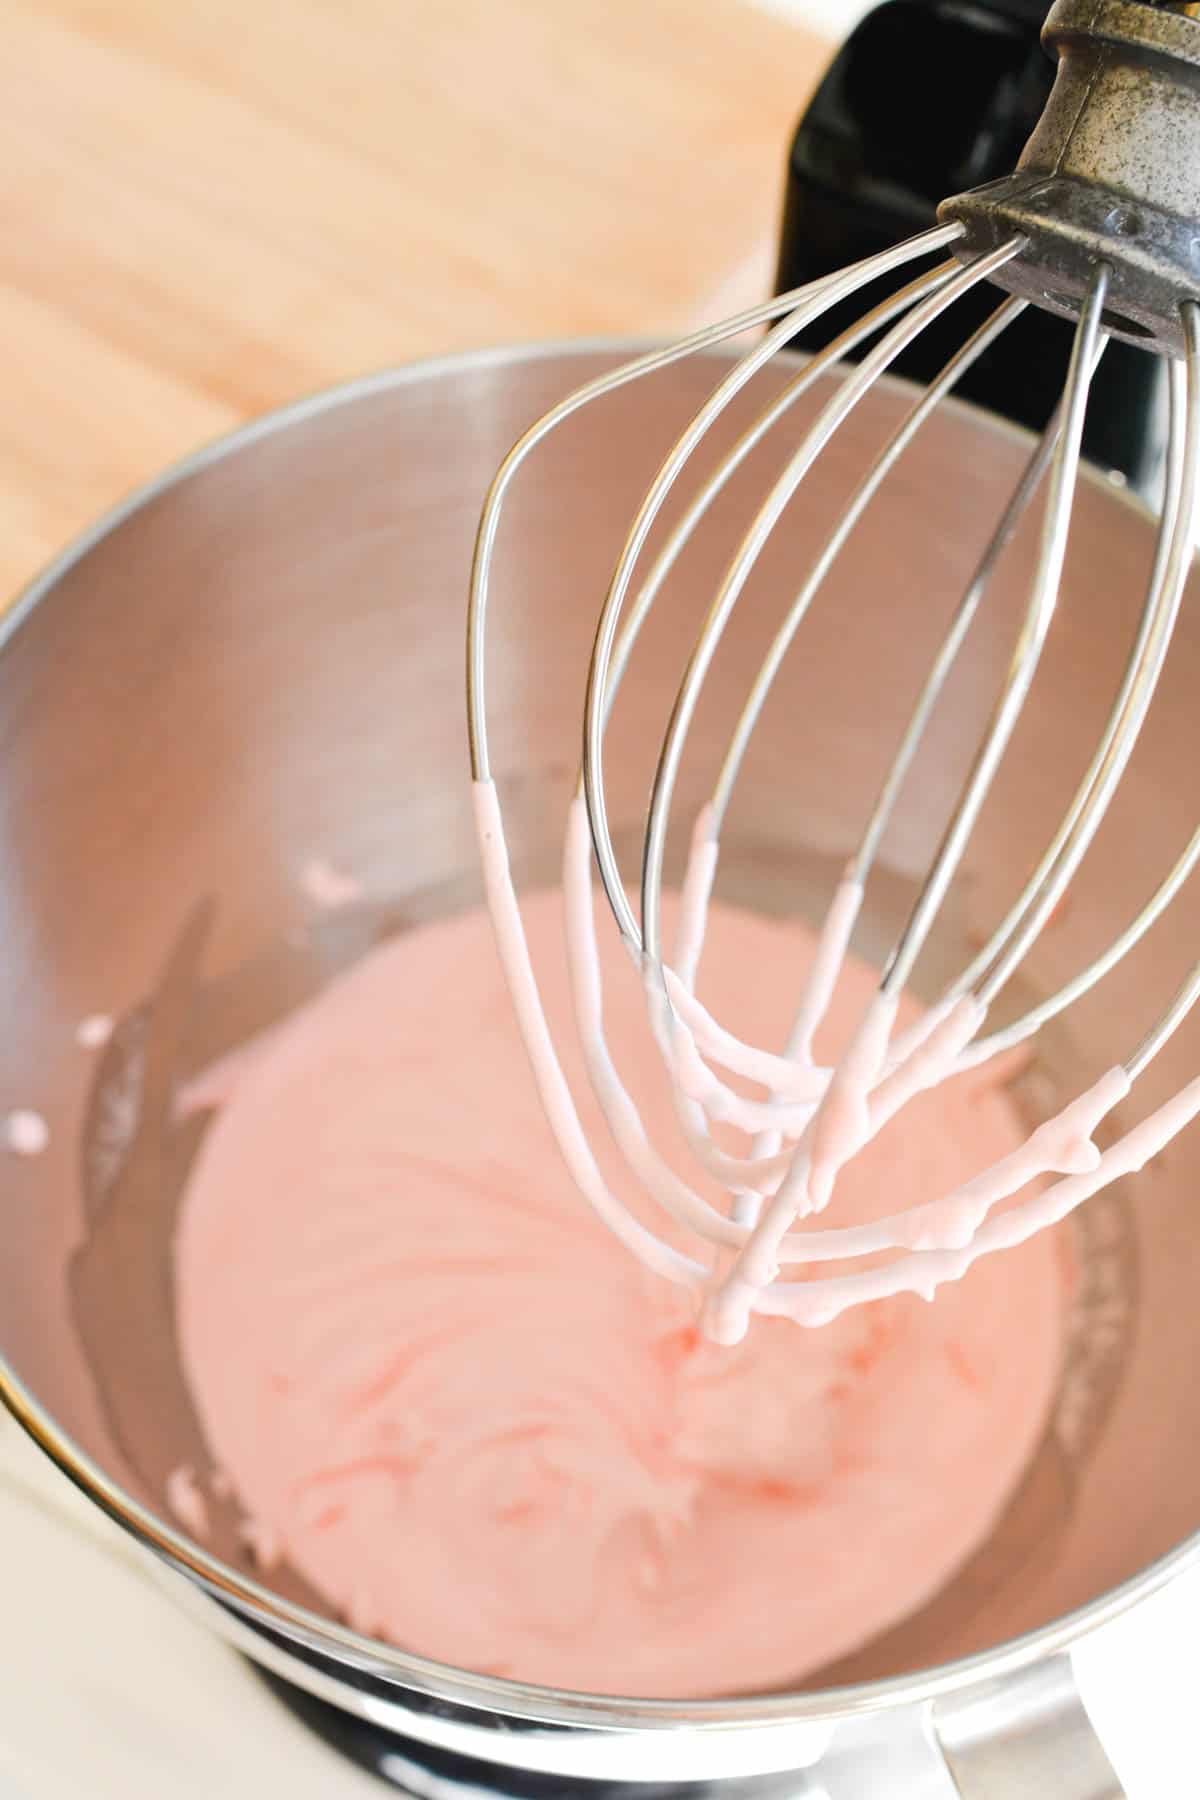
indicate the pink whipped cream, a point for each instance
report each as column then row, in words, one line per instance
column 447, row 1396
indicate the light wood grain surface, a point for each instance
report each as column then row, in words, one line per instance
column 212, row 206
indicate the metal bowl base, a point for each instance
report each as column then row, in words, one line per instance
column 427, row 1773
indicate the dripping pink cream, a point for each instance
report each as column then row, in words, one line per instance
column 843, row 1109
column 448, row 1396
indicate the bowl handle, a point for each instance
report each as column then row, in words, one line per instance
column 1026, row 1734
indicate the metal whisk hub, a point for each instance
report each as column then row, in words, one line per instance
column 1112, row 174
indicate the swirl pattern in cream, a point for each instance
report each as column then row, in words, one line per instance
column 471, row 1419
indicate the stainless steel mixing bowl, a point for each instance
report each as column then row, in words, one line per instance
column 259, row 660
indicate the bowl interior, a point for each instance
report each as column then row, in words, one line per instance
column 260, row 663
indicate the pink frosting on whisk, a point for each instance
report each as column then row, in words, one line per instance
column 870, row 1080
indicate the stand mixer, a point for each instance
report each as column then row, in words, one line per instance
column 1094, row 225
column 181, row 801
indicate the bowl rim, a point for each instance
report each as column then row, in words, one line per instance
column 559, row 1708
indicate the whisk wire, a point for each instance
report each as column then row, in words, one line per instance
column 817, row 365
column 1091, row 802
column 839, row 288
column 1172, row 561
column 943, row 292
column 1010, row 519
column 1064, row 473
column 976, row 346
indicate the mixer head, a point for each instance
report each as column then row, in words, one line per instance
column 1099, row 222
column 1111, row 174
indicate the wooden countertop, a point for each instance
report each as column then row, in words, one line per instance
column 213, row 206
